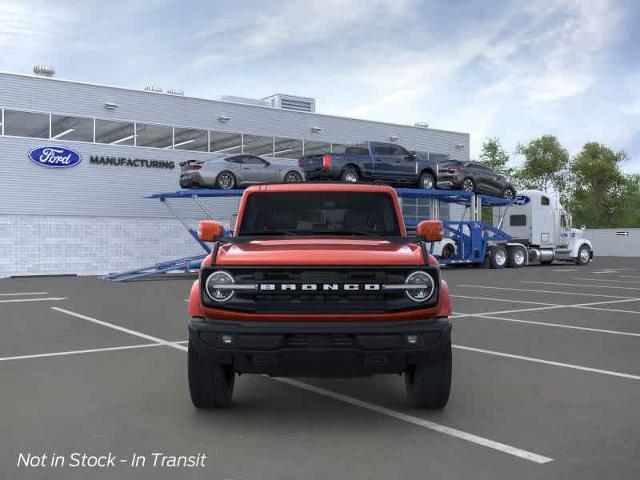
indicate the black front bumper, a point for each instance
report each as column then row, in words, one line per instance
column 320, row 349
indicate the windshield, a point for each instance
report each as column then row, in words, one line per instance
column 319, row 213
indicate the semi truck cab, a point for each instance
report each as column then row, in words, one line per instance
column 538, row 222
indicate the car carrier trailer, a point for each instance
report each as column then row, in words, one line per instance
column 470, row 240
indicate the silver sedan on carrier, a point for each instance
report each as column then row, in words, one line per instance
column 227, row 172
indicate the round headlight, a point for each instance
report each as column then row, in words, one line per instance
column 219, row 286
column 421, row 286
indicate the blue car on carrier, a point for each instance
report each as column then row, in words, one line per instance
column 373, row 161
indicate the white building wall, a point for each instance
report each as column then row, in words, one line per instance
column 615, row 242
column 92, row 219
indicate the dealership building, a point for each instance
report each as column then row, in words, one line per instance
column 89, row 215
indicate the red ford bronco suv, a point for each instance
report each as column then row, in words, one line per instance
column 320, row 280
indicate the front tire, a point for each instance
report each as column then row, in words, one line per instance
column 584, row 255
column 350, row 175
column 427, row 181
column 428, row 384
column 226, row 180
column 448, row 251
column 468, row 185
column 210, row 384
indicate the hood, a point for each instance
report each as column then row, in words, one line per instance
column 319, row 251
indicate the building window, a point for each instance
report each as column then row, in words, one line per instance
column 312, row 147
column 190, row 139
column 114, row 133
column 257, row 145
column 225, row 143
column 26, row 124
column 287, row 148
column 338, row 148
column 157, row 136
column 71, row 128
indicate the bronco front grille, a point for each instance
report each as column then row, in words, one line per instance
column 319, row 289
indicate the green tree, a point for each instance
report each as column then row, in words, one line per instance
column 545, row 164
column 494, row 156
column 601, row 195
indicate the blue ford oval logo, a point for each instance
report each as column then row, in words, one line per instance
column 55, row 157
column 521, row 200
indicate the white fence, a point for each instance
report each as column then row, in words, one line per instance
column 615, row 242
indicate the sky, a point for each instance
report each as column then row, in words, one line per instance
column 508, row 69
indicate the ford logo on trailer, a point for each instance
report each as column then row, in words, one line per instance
column 521, row 200
column 55, row 157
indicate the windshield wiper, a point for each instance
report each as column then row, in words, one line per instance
column 351, row 233
column 270, row 233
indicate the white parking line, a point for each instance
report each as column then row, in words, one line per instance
column 453, row 432
column 550, row 307
column 6, row 294
column 121, row 329
column 529, row 290
column 616, row 310
column 581, row 285
column 557, row 325
column 90, row 350
column 533, row 457
column 22, row 300
column 549, row 362
column 504, row 300
column 605, row 280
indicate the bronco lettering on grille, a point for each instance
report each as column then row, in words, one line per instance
column 325, row 287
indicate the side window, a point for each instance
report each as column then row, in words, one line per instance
column 544, row 201
column 236, row 159
column 563, row 220
column 381, row 150
column 518, row 220
column 397, row 150
column 251, row 160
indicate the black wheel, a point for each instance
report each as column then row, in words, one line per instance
column 508, row 193
column 448, row 251
column 427, row 181
column 428, row 384
column 292, row 177
column 468, row 185
column 584, row 255
column 517, row 257
column 498, row 257
column 210, row 384
column 226, row 180
column 350, row 174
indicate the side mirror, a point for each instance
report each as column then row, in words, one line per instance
column 210, row 231
column 583, row 227
column 430, row 230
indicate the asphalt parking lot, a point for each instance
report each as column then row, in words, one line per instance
column 546, row 384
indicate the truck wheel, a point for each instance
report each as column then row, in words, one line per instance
column 498, row 257
column 448, row 251
column 292, row 177
column 428, row 384
column 226, row 180
column 584, row 255
column 210, row 384
column 517, row 257
column 427, row 181
column 350, row 175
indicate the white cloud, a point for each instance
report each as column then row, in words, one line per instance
column 29, row 25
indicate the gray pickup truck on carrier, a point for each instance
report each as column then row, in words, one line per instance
column 373, row 161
